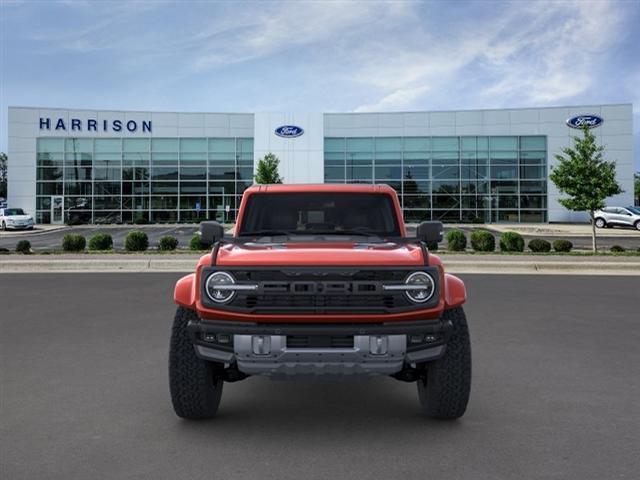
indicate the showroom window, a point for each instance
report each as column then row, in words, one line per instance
column 112, row 180
column 453, row 179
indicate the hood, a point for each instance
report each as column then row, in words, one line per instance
column 316, row 253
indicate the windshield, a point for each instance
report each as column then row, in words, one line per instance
column 319, row 213
column 635, row 210
column 13, row 211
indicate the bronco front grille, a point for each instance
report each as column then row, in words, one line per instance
column 307, row 290
column 316, row 303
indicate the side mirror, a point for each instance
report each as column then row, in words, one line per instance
column 430, row 232
column 210, row 232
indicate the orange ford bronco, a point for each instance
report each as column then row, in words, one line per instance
column 320, row 280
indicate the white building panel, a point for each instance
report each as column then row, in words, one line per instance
column 527, row 116
column 442, row 119
column 301, row 158
column 160, row 119
column 467, row 118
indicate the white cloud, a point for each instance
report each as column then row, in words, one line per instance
column 402, row 98
column 553, row 60
column 279, row 27
column 531, row 53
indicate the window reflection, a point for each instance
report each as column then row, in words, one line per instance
column 467, row 178
column 161, row 179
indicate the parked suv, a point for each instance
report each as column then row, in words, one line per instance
column 15, row 218
column 618, row 216
column 320, row 280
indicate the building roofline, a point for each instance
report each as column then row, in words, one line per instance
column 630, row 104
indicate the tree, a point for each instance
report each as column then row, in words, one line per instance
column 3, row 174
column 585, row 177
column 267, row 171
column 636, row 187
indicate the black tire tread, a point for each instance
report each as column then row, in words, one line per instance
column 445, row 392
column 195, row 384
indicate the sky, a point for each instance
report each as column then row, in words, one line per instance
column 323, row 56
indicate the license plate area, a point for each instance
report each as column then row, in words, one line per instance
column 319, row 341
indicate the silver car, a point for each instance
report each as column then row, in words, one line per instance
column 618, row 216
column 15, row 218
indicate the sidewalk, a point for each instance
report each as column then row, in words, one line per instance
column 465, row 264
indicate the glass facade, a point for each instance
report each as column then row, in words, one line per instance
column 453, row 179
column 113, row 180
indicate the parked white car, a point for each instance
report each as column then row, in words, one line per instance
column 618, row 216
column 15, row 218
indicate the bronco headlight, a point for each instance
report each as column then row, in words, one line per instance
column 420, row 287
column 218, row 286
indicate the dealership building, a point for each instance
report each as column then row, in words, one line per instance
column 106, row 166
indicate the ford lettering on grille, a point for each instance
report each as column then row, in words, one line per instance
column 321, row 288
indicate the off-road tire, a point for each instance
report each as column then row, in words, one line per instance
column 601, row 222
column 195, row 384
column 444, row 389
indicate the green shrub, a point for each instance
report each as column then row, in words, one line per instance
column 456, row 240
column 196, row 243
column 618, row 249
column 23, row 246
column 562, row 245
column 167, row 243
column 483, row 241
column 432, row 246
column 141, row 220
column 136, row 241
column 101, row 241
column 73, row 242
column 539, row 245
column 511, row 242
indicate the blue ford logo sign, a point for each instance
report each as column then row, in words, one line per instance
column 581, row 121
column 289, row 131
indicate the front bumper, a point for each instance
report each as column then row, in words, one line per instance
column 15, row 226
column 276, row 349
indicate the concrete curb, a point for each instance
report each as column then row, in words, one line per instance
column 171, row 264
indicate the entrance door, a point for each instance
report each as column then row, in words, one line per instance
column 217, row 200
column 57, row 209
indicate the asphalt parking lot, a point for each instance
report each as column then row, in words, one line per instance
column 84, row 392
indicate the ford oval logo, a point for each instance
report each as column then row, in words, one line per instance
column 289, row 131
column 581, row 121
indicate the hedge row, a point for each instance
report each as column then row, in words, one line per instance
column 135, row 241
column 484, row 241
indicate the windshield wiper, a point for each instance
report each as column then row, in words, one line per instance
column 358, row 232
column 266, row 233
